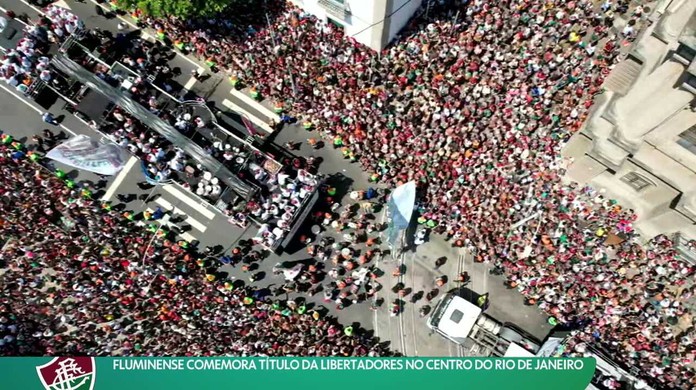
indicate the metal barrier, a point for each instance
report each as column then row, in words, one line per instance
column 34, row 88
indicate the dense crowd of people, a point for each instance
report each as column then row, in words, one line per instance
column 283, row 186
column 475, row 104
column 162, row 160
column 79, row 278
column 29, row 61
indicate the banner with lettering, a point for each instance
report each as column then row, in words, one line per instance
column 82, row 152
column 85, row 373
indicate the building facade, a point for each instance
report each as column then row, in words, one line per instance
column 373, row 23
column 639, row 144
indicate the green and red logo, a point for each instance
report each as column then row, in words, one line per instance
column 68, row 373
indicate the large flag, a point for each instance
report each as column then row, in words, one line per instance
column 82, row 152
column 400, row 209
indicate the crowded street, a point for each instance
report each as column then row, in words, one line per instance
column 257, row 154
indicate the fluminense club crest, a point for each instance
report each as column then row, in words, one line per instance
column 68, row 373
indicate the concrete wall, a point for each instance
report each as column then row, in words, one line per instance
column 356, row 25
column 368, row 22
column 636, row 130
column 401, row 12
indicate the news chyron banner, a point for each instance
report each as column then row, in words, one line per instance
column 86, row 373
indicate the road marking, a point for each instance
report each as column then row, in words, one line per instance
column 19, row 20
column 258, row 122
column 189, row 220
column 25, row 101
column 189, row 84
column 485, row 280
column 413, row 307
column 186, row 236
column 192, row 81
column 62, row 4
column 164, row 203
column 121, row 176
column 189, row 201
column 165, row 222
column 258, row 106
column 40, row 11
column 402, row 308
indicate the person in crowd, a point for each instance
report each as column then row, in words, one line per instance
column 474, row 104
column 83, row 279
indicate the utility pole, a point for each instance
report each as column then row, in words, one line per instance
column 292, row 82
column 149, row 244
column 270, row 27
column 275, row 44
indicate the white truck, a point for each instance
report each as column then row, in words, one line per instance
column 464, row 323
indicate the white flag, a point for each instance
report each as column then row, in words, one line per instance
column 84, row 153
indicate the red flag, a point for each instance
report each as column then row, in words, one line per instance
column 249, row 126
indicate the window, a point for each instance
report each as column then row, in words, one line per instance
column 690, row 83
column 336, row 24
column 687, row 139
column 686, row 52
column 637, row 181
column 335, row 8
column 456, row 316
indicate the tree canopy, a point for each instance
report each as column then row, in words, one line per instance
column 180, row 8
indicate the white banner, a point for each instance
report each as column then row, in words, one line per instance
column 401, row 204
column 84, row 153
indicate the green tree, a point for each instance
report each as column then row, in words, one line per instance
column 180, row 8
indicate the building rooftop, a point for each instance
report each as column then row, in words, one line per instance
column 688, row 35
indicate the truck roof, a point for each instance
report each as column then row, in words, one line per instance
column 514, row 350
column 455, row 317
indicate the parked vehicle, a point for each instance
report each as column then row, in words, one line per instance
column 461, row 321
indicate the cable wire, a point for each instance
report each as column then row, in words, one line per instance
column 382, row 21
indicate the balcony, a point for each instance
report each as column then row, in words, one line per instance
column 686, row 52
column 336, row 8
